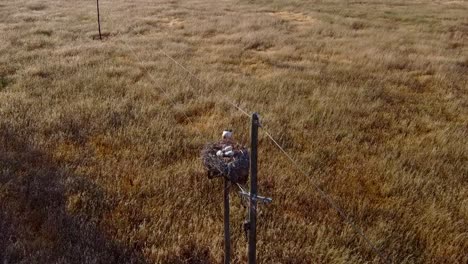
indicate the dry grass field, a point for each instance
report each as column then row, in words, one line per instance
column 100, row 140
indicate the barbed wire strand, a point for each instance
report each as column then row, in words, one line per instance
column 229, row 101
column 322, row 193
column 173, row 102
column 327, row 197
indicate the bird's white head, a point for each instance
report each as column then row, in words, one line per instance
column 227, row 134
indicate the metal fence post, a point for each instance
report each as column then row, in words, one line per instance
column 253, row 190
column 98, row 19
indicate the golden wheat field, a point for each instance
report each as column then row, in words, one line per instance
column 100, row 140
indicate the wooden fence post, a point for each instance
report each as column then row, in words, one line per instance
column 227, row 235
column 252, row 254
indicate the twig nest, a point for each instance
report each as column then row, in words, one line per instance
column 226, row 159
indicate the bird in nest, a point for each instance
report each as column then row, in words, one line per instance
column 226, row 158
column 227, row 143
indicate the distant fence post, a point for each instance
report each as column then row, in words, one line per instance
column 227, row 235
column 253, row 190
column 98, row 19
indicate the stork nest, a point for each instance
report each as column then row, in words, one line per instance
column 235, row 168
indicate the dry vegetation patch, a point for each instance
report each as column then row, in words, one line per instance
column 297, row 19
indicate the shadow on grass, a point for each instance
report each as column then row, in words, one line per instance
column 50, row 215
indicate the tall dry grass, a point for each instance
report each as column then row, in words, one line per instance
column 99, row 165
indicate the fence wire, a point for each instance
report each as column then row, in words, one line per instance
column 326, row 197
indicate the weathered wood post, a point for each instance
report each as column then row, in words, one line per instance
column 253, row 190
column 227, row 235
column 98, row 19
column 232, row 161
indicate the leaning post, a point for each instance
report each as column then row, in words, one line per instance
column 227, row 235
